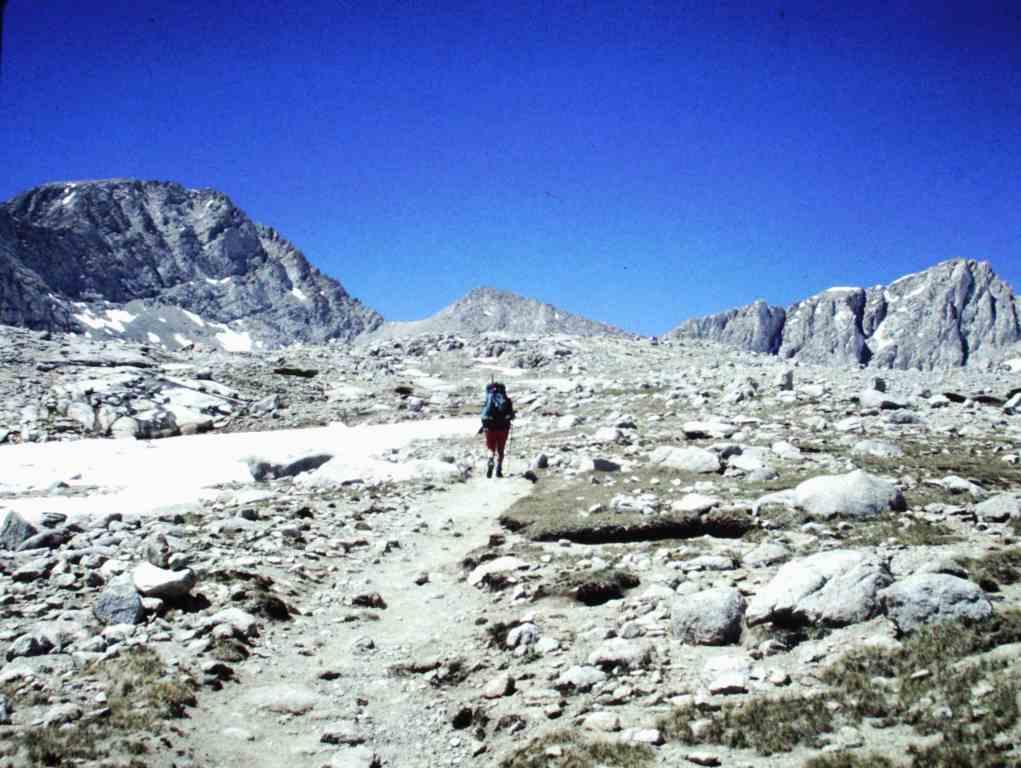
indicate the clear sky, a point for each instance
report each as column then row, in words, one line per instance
column 636, row 162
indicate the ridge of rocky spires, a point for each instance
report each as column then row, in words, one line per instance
column 955, row 313
column 156, row 262
column 490, row 310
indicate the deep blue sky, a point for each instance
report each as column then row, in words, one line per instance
column 639, row 163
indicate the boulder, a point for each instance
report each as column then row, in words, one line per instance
column 833, row 588
column 695, row 502
column 119, row 603
column 856, row 494
column 926, row 598
column 15, row 531
column 697, row 430
column 618, row 652
column 750, row 460
column 999, row 508
column 152, row 581
column 711, row 617
column 688, row 459
column 263, row 469
column 580, row 678
column 873, row 398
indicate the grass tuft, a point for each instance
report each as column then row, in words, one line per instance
column 766, row 725
column 567, row 749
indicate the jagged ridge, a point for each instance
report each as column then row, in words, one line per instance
column 953, row 314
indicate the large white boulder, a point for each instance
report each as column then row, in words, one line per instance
column 152, row 581
column 688, row 459
column 833, row 588
column 856, row 494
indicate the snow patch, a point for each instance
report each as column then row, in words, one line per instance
column 297, row 293
column 194, row 318
column 235, row 341
column 903, row 278
column 224, row 281
column 133, row 476
column 153, row 338
column 184, row 341
column 114, row 320
column 841, row 289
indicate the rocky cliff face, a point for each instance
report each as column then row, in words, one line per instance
column 486, row 310
column 157, row 262
column 757, row 327
column 956, row 313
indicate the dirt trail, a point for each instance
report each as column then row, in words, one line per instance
column 339, row 671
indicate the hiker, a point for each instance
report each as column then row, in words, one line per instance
column 497, row 415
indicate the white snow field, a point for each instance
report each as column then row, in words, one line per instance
column 143, row 477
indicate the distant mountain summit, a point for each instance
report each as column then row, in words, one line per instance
column 156, row 262
column 954, row 314
column 488, row 310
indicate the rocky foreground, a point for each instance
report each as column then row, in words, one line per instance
column 701, row 557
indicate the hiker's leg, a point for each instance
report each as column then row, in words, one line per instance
column 501, row 446
column 492, row 446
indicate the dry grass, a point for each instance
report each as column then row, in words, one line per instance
column 567, row 749
column 934, row 684
column 996, row 569
column 142, row 696
column 766, row 725
column 849, row 760
column 909, row 531
column 938, row 683
column 557, row 509
column 979, row 463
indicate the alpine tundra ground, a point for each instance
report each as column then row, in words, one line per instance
column 709, row 562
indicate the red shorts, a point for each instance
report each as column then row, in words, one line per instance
column 496, row 440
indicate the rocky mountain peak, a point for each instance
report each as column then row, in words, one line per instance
column 490, row 310
column 149, row 250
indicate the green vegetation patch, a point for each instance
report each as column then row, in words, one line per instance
column 567, row 749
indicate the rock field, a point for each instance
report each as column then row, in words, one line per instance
column 701, row 556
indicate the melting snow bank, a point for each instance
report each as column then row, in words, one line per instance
column 140, row 478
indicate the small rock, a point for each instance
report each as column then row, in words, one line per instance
column 500, row 686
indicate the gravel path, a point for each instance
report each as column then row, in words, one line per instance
column 326, row 676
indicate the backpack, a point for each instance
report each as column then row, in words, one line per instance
column 498, row 405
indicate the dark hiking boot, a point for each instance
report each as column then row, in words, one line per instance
column 499, row 470
column 489, row 468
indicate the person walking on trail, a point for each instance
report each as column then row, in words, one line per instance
column 497, row 415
